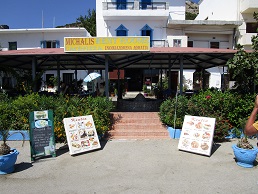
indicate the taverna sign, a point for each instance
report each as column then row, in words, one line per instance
column 101, row 44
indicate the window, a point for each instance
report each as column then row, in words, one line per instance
column 251, row 27
column 177, row 43
column 214, row 45
column 68, row 78
column 147, row 31
column 121, row 4
column 50, row 44
column 121, row 31
column 12, row 45
column 190, row 43
column 145, row 3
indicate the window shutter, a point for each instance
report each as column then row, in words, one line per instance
column 57, row 44
column 43, row 44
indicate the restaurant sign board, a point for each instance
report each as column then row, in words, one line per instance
column 197, row 134
column 81, row 134
column 42, row 137
column 101, row 44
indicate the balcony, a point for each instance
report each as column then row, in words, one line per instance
column 248, row 6
column 247, row 39
column 132, row 10
column 159, row 43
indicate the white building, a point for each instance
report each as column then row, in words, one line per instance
column 18, row 39
column 232, row 10
column 216, row 26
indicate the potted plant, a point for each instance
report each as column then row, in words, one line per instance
column 245, row 153
column 8, row 156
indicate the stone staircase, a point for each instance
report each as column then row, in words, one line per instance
column 137, row 125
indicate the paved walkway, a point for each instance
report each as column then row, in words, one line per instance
column 131, row 166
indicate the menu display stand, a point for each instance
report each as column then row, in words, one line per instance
column 197, row 135
column 81, row 134
column 42, row 137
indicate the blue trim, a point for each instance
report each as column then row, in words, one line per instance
column 144, row 3
column 121, row 4
column 121, row 31
column 147, row 31
column 57, row 44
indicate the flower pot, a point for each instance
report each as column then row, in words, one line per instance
column 7, row 162
column 245, row 157
column 174, row 133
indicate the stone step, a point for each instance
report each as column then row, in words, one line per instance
column 137, row 125
column 146, row 127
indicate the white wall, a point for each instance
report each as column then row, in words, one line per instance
column 219, row 10
column 30, row 38
column 106, row 28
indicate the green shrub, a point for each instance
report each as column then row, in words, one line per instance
column 167, row 111
column 230, row 110
column 62, row 106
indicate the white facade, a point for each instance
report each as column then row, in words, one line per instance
column 232, row 10
column 220, row 24
column 42, row 38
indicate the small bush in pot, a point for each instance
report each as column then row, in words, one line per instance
column 245, row 153
column 8, row 156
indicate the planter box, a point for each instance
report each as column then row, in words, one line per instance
column 174, row 133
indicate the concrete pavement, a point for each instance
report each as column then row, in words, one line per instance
column 131, row 166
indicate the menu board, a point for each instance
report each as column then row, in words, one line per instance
column 42, row 138
column 81, row 134
column 197, row 134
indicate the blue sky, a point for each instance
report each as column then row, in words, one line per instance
column 19, row 14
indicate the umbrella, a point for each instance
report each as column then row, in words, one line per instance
column 91, row 77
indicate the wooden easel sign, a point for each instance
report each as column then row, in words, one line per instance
column 81, row 134
column 197, row 135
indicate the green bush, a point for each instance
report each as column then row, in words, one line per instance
column 62, row 106
column 167, row 111
column 230, row 110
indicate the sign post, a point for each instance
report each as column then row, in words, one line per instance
column 197, row 134
column 42, row 138
column 81, row 134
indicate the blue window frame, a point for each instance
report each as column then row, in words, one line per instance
column 144, row 3
column 147, row 31
column 50, row 44
column 121, row 4
column 121, row 31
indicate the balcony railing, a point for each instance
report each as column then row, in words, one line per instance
column 135, row 6
column 159, row 43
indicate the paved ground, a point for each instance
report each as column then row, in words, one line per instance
column 131, row 166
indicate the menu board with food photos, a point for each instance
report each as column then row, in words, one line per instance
column 42, row 137
column 81, row 134
column 197, row 134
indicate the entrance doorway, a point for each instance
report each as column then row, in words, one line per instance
column 134, row 79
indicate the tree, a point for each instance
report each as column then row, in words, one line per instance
column 190, row 16
column 88, row 22
column 244, row 66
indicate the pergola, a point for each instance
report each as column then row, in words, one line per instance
column 178, row 58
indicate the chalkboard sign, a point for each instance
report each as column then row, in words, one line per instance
column 42, row 138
